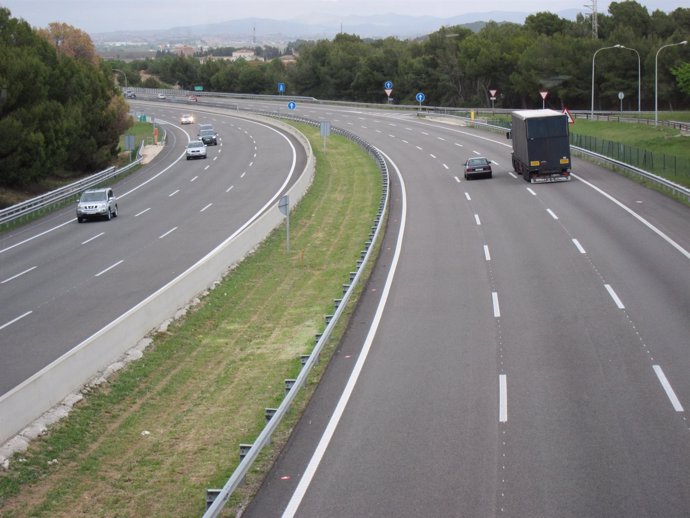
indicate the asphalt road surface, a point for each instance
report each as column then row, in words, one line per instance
column 61, row 281
column 532, row 355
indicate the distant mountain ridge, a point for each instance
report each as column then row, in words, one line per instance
column 325, row 26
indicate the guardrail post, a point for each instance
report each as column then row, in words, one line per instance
column 269, row 413
column 244, row 449
column 303, row 359
column 328, row 319
column 211, row 495
column 288, row 385
column 336, row 303
column 345, row 288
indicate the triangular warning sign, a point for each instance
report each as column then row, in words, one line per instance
column 571, row 120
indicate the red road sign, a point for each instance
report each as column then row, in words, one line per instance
column 571, row 120
column 543, row 94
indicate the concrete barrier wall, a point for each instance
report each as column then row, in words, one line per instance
column 69, row 373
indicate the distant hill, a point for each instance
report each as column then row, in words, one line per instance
column 318, row 27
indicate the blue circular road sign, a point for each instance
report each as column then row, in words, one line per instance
column 420, row 97
column 292, row 105
column 388, row 85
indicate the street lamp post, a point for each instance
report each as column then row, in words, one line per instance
column 617, row 46
column 656, row 81
column 123, row 74
column 639, row 78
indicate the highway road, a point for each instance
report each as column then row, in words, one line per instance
column 530, row 353
column 61, row 281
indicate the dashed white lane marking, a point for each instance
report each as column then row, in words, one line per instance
column 34, row 267
column 531, row 191
column 552, row 214
column 494, row 299
column 167, row 233
column 476, row 219
column 579, row 246
column 502, row 398
column 14, row 320
column 669, row 390
column 614, row 296
column 487, row 255
column 110, row 268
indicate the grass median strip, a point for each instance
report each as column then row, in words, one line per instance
column 151, row 440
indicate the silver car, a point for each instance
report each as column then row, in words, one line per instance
column 196, row 149
column 97, row 204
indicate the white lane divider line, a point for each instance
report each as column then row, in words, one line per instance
column 230, row 188
column 467, row 195
column 432, row 156
column 497, row 309
column 487, row 255
column 502, row 398
column 110, row 268
column 207, row 206
column 579, row 246
column 531, row 191
column 476, row 219
column 459, row 145
column 15, row 320
column 615, row 298
column 419, row 148
column 142, row 212
column 173, row 193
column 25, row 271
column 552, row 214
column 512, row 174
column 667, row 387
column 445, row 167
column 167, row 233
column 457, row 179
column 193, row 179
column 92, row 238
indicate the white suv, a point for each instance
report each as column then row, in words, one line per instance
column 196, row 149
column 96, row 204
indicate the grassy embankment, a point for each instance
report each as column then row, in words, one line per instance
column 166, row 428
column 659, row 140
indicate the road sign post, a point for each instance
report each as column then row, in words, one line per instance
column 543, row 94
column 420, row 99
column 284, row 207
column 388, row 88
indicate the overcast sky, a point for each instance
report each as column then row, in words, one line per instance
column 95, row 16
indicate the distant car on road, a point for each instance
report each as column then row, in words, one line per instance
column 192, row 98
column 187, row 118
column 130, row 95
column 161, row 96
column 478, row 167
column 208, row 137
column 196, row 149
column 97, row 204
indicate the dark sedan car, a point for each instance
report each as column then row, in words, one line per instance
column 478, row 167
column 208, row 137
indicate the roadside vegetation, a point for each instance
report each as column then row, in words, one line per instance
column 167, row 427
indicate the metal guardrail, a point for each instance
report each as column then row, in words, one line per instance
column 222, row 496
column 58, row 196
column 677, row 189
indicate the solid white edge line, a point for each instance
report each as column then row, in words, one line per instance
column 667, row 387
column 502, row 398
column 316, row 458
column 636, row 216
column 494, row 299
column 614, row 296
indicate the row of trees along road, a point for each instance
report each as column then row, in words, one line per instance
column 456, row 66
column 60, row 111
